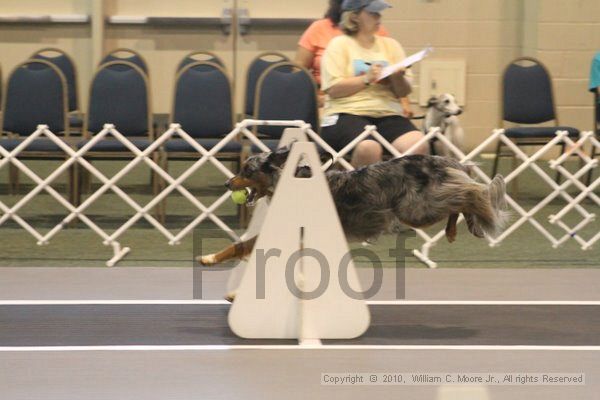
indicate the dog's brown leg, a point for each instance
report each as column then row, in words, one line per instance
column 451, row 228
column 473, row 227
column 237, row 250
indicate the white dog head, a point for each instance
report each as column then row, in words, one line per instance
column 442, row 112
column 446, row 104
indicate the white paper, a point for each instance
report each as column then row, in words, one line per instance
column 407, row 62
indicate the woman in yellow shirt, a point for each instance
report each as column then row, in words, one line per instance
column 315, row 39
column 349, row 75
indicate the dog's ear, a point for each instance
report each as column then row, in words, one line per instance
column 278, row 157
column 432, row 101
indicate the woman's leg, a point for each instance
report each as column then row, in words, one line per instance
column 406, row 141
column 366, row 152
column 344, row 130
column 402, row 134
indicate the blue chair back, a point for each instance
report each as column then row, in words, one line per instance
column 286, row 91
column 133, row 57
column 119, row 95
column 66, row 65
column 36, row 94
column 527, row 96
column 203, row 104
column 196, row 56
column 255, row 70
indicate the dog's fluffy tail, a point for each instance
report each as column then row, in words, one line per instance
column 485, row 204
column 490, row 209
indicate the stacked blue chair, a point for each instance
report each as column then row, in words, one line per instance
column 126, row 55
column 66, row 65
column 135, row 58
column 203, row 106
column 528, row 99
column 255, row 70
column 196, row 56
column 119, row 95
column 285, row 91
column 36, row 93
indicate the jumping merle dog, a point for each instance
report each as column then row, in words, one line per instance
column 414, row 190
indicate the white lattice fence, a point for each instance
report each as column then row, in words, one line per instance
column 587, row 192
column 243, row 129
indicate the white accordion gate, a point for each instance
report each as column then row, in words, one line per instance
column 243, row 129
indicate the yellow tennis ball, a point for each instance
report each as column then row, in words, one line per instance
column 239, row 196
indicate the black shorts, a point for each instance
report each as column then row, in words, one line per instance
column 349, row 126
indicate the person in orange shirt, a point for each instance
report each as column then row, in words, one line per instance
column 315, row 39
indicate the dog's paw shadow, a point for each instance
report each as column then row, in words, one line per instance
column 423, row 332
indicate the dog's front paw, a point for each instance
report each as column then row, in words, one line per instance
column 207, row 260
column 451, row 237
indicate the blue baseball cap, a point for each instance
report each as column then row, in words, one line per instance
column 369, row 5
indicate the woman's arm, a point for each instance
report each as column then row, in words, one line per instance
column 304, row 57
column 399, row 84
column 349, row 86
column 407, row 110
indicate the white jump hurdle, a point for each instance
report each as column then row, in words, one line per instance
column 269, row 307
column 289, row 136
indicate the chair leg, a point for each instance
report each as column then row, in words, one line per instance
column 563, row 146
column 71, row 186
column 588, row 179
column 11, row 189
column 162, row 205
column 497, row 158
column 73, row 189
column 152, row 178
column 79, row 178
column 514, row 187
column 85, row 180
column 13, row 179
column 155, row 183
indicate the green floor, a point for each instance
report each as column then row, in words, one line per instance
column 79, row 246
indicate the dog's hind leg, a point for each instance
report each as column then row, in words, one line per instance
column 474, row 228
column 235, row 251
column 497, row 190
column 451, row 228
column 488, row 208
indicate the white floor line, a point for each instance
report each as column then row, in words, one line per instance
column 484, row 302
column 373, row 302
column 26, row 349
column 112, row 302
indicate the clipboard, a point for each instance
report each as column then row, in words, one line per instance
column 407, row 62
